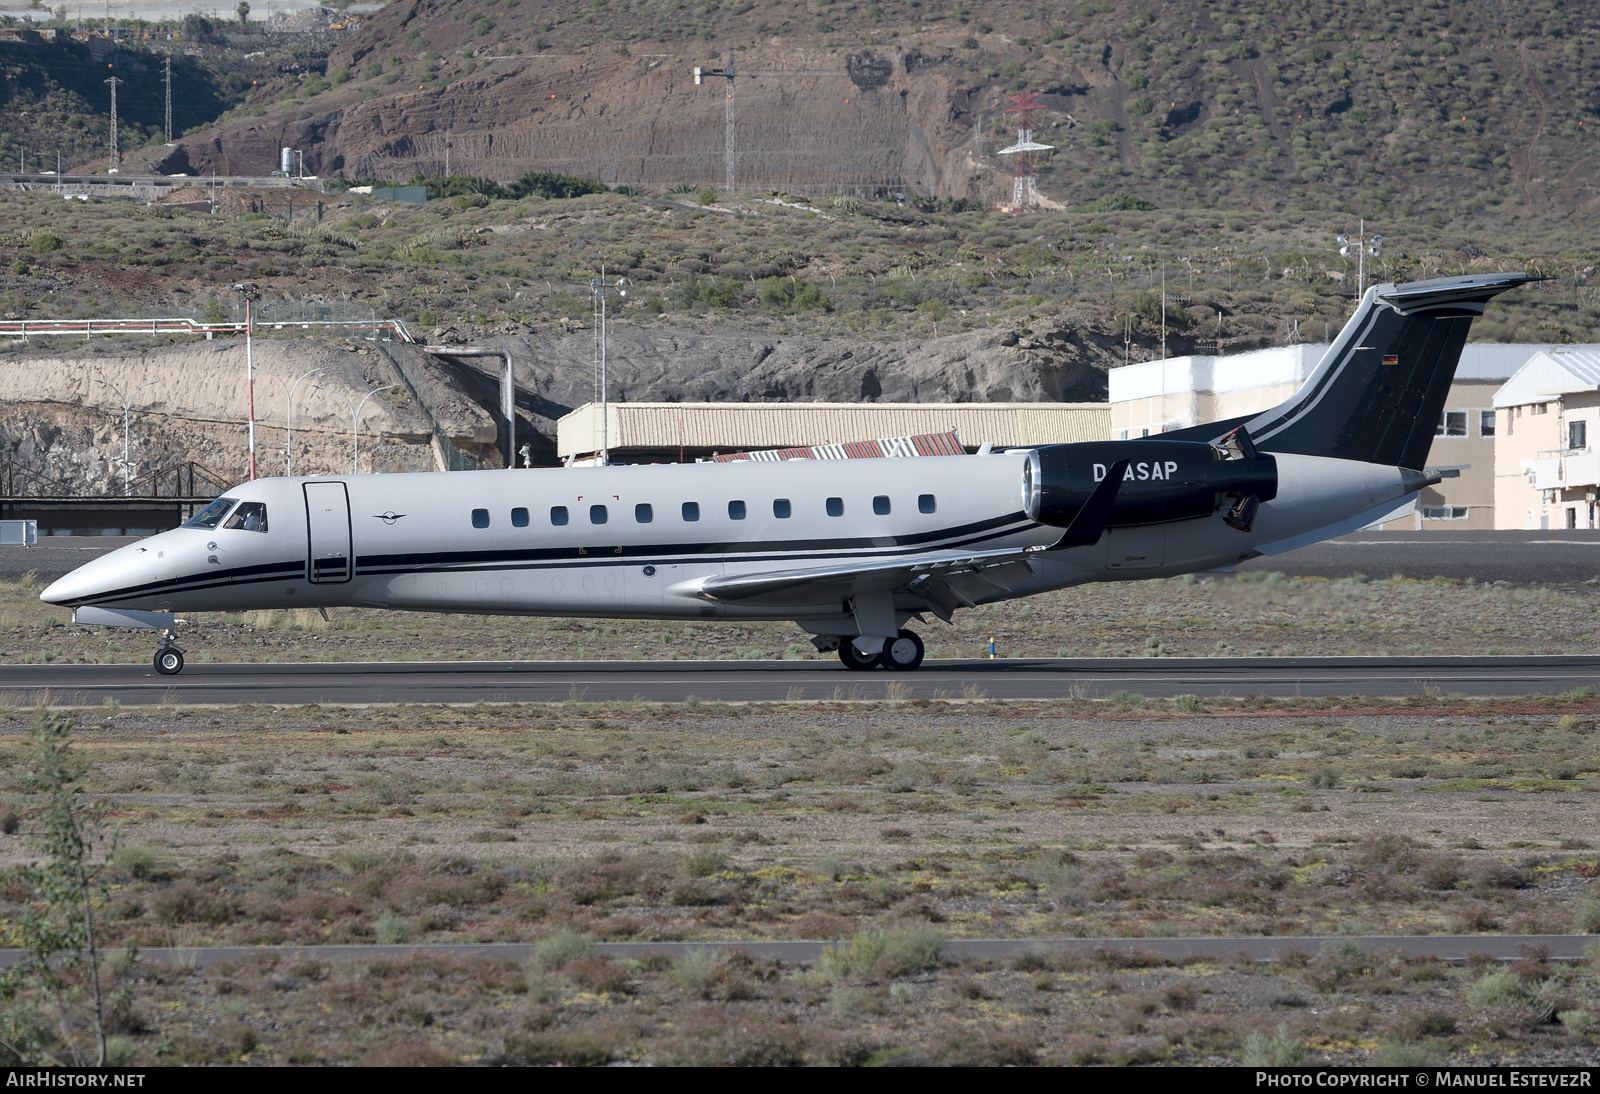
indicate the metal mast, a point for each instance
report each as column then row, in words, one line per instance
column 1024, row 192
column 168, row 78
column 727, row 117
column 115, row 159
column 727, row 125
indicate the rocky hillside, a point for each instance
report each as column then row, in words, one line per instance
column 1432, row 109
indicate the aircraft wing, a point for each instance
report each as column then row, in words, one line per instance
column 945, row 582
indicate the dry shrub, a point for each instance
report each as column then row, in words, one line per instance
column 1478, row 917
column 1499, row 875
column 188, row 903
column 710, row 1037
column 1129, row 957
column 598, row 974
column 569, row 1048
column 1430, row 1023
column 597, row 881
column 409, row 1054
column 959, row 1046
column 849, row 1049
column 1179, row 995
column 1133, row 1010
column 455, row 883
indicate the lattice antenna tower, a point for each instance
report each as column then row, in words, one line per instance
column 116, row 159
column 1024, row 192
column 167, row 78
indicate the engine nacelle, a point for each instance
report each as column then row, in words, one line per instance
column 1164, row 480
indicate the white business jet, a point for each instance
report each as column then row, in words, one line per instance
column 851, row 551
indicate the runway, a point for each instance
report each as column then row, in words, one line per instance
column 767, row 681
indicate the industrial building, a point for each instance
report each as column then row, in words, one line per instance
column 674, row 432
column 1159, row 396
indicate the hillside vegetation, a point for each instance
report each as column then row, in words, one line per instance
column 864, row 269
column 1438, row 110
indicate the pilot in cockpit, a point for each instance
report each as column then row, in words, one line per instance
column 251, row 516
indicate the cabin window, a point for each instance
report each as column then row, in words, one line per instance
column 836, row 507
column 927, row 503
column 1452, row 423
column 781, row 509
column 249, row 517
column 880, row 505
column 643, row 514
column 211, row 515
column 736, row 510
column 480, row 518
column 519, row 518
column 558, row 515
column 597, row 514
column 691, row 510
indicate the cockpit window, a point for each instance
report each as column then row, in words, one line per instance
column 249, row 517
column 211, row 515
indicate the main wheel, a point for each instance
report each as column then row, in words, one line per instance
column 902, row 653
column 853, row 658
column 169, row 662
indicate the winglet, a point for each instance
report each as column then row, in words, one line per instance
column 1090, row 523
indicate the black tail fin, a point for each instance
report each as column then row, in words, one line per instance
column 1378, row 393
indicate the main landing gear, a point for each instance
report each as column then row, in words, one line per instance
column 901, row 653
column 169, row 657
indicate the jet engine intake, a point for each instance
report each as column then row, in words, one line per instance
column 1163, row 481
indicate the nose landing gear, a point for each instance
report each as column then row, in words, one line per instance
column 169, row 657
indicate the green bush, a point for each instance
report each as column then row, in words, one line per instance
column 1586, row 917
column 1576, row 1022
column 885, row 953
column 1406, row 1054
column 560, row 947
column 44, row 243
column 1280, row 1049
column 1498, row 988
column 1323, row 778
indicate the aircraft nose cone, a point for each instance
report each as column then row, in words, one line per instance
column 106, row 574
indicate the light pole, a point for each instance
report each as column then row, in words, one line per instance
column 251, row 294
column 127, row 408
column 288, row 414
column 355, row 435
column 355, row 419
column 1363, row 247
column 597, row 288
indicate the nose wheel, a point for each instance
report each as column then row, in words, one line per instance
column 169, row 660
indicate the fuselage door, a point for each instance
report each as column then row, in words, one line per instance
column 328, row 553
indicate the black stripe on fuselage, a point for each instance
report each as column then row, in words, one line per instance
column 568, row 558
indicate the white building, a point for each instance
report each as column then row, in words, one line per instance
column 1160, row 396
column 1547, row 468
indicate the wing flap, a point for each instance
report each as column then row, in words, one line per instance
column 824, row 583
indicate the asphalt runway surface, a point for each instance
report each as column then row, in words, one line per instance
column 1521, row 557
column 347, row 683
column 1446, row 947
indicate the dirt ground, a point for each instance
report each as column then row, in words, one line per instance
column 1255, row 614
column 886, row 826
